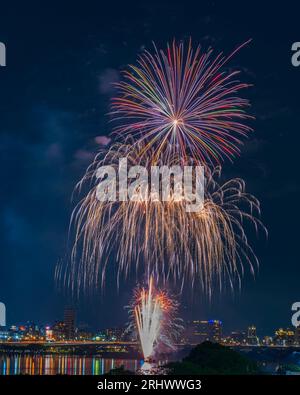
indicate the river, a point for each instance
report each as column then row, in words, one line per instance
column 35, row 364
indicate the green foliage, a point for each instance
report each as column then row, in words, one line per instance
column 213, row 358
column 120, row 371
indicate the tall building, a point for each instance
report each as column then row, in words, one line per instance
column 215, row 330
column 69, row 321
column 201, row 331
column 252, row 338
column 252, row 331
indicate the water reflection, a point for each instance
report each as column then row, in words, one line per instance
column 11, row 364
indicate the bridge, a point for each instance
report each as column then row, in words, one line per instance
column 69, row 343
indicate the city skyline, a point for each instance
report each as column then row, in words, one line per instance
column 187, row 316
column 74, row 325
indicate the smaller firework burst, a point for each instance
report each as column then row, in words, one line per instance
column 154, row 314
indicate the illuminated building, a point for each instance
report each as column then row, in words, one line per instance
column 252, row 338
column 201, row 331
column 48, row 333
column 114, row 334
column 267, row 341
column 83, row 332
column 69, row 321
column 297, row 336
column 100, row 336
column 215, row 330
column 4, row 334
column 251, row 331
column 59, row 330
column 238, row 337
column 284, row 337
column 16, row 333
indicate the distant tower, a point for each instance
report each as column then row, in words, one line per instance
column 69, row 321
column 252, row 331
column 252, row 338
column 215, row 330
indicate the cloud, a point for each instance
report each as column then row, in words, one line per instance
column 84, row 155
column 102, row 140
column 54, row 151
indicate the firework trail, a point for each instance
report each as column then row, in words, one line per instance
column 155, row 318
column 183, row 101
column 148, row 316
column 161, row 238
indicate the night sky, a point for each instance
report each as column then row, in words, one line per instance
column 55, row 94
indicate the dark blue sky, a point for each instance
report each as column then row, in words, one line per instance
column 55, row 94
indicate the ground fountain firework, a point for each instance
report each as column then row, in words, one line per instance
column 154, row 313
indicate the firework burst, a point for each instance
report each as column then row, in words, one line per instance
column 183, row 101
column 174, row 108
column 154, row 314
column 161, row 238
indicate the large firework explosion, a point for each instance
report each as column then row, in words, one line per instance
column 161, row 238
column 154, row 315
column 183, row 101
column 177, row 107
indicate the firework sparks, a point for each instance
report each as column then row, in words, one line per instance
column 174, row 108
column 148, row 316
column 155, row 318
column 161, row 238
column 183, row 101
